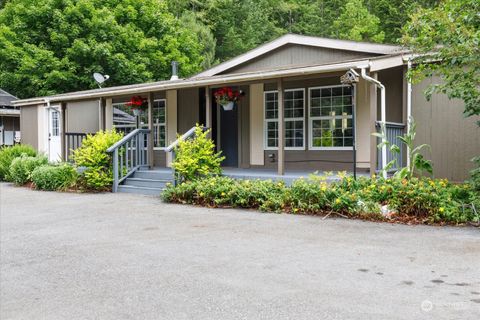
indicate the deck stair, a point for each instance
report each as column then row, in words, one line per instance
column 149, row 182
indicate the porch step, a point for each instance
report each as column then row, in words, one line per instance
column 140, row 190
column 149, row 183
column 144, row 181
column 154, row 174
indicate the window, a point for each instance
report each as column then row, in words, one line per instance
column 294, row 118
column 331, row 123
column 159, row 121
column 124, row 120
column 55, row 124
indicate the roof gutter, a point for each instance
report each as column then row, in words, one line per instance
column 200, row 82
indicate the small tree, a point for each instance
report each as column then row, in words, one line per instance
column 417, row 163
column 196, row 158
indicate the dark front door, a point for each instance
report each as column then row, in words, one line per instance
column 229, row 136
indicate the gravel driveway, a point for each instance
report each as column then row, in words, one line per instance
column 120, row 256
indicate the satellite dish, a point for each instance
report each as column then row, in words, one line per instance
column 100, row 78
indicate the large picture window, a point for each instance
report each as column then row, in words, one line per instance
column 294, row 119
column 330, row 117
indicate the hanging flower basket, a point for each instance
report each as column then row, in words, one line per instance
column 226, row 97
column 138, row 105
column 229, row 106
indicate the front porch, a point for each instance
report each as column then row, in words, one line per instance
column 281, row 129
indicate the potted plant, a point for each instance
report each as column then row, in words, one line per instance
column 138, row 105
column 226, row 97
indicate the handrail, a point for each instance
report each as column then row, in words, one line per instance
column 129, row 154
column 171, row 148
column 183, row 137
column 391, row 124
column 120, row 143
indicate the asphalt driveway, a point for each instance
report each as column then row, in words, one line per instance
column 119, row 256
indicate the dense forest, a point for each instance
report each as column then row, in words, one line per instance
column 52, row 46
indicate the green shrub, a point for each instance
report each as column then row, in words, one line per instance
column 475, row 174
column 422, row 200
column 196, row 158
column 93, row 155
column 22, row 167
column 54, row 177
column 7, row 154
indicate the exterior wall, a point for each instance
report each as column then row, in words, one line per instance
column 363, row 128
column 393, row 81
column 188, row 109
column 29, row 125
column 289, row 55
column 256, row 124
column 172, row 114
column 325, row 159
column 454, row 139
column 83, row 116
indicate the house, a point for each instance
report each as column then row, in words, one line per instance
column 9, row 120
column 322, row 118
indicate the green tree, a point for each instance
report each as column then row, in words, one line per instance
column 357, row 23
column 54, row 46
column 446, row 40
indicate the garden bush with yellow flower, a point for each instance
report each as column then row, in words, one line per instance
column 414, row 200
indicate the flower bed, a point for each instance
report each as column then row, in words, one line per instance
column 416, row 200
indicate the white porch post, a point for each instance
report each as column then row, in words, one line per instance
column 150, row 127
column 281, row 130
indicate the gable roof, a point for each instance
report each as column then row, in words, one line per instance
column 296, row 39
column 6, row 98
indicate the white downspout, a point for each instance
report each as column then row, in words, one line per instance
column 409, row 106
column 383, row 119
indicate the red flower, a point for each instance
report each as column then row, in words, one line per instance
column 137, row 102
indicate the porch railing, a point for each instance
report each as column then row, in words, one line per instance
column 73, row 140
column 171, row 148
column 129, row 154
column 393, row 131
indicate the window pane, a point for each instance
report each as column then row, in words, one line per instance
column 331, row 124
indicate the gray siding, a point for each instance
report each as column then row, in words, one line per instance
column 29, row 125
column 83, row 116
column 454, row 139
column 290, row 55
column 187, row 109
column 159, row 158
column 313, row 160
column 393, row 81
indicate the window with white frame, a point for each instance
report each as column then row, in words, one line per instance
column 294, row 119
column 330, row 117
column 159, row 123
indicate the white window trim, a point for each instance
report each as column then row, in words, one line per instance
column 164, row 123
column 265, row 120
column 310, row 120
